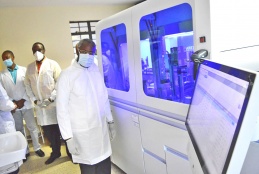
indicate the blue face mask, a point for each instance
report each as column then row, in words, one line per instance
column 8, row 62
column 86, row 60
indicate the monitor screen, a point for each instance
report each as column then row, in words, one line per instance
column 216, row 113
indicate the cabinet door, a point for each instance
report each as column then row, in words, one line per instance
column 126, row 147
column 177, row 162
column 153, row 165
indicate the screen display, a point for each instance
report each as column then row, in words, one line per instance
column 216, row 113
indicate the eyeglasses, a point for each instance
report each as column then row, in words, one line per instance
column 86, row 52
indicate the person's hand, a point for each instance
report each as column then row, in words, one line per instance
column 112, row 130
column 20, row 103
column 72, row 147
column 38, row 103
column 15, row 107
column 45, row 103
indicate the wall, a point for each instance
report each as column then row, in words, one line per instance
column 234, row 25
column 23, row 26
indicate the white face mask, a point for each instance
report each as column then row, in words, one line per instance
column 38, row 56
column 86, row 60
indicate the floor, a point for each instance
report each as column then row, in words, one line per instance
column 62, row 165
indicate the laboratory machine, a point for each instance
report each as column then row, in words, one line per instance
column 144, row 54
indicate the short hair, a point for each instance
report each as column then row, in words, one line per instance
column 8, row 51
column 38, row 43
column 86, row 41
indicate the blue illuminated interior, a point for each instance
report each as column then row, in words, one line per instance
column 115, row 57
column 166, row 44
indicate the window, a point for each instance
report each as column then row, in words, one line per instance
column 82, row 30
column 166, row 44
column 115, row 57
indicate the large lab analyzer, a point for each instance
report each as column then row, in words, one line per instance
column 145, row 57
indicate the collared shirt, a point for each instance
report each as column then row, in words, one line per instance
column 13, row 73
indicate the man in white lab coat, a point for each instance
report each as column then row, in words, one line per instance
column 12, row 79
column 40, row 79
column 84, row 114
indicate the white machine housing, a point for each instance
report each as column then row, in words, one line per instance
column 151, row 135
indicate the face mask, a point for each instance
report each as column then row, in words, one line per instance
column 8, row 62
column 86, row 60
column 38, row 55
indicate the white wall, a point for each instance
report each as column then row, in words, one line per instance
column 234, row 24
column 23, row 26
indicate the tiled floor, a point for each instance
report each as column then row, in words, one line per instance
column 62, row 165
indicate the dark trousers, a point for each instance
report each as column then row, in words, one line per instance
column 68, row 153
column 52, row 133
column 103, row 167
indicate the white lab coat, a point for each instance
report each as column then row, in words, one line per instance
column 42, row 86
column 7, row 124
column 83, row 110
column 16, row 91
